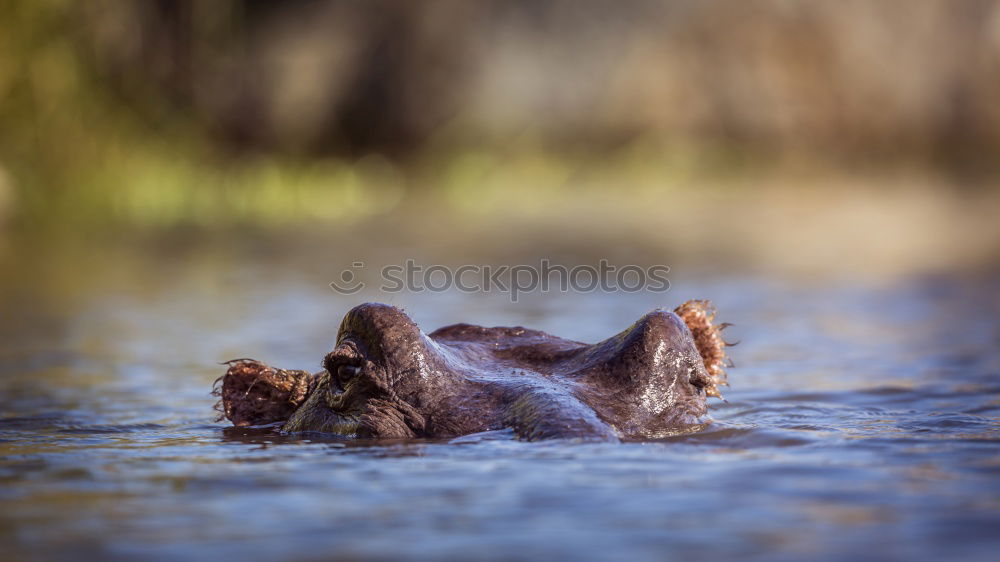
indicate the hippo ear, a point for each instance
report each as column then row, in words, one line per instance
column 699, row 315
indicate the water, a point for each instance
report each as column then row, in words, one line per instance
column 863, row 421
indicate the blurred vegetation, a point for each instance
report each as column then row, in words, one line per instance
column 242, row 112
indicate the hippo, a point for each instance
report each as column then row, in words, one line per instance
column 386, row 379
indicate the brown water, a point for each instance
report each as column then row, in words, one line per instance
column 863, row 421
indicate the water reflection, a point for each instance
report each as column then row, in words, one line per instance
column 862, row 421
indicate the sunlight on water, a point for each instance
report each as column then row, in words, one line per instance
column 861, row 421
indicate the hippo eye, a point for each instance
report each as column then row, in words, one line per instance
column 347, row 372
column 697, row 380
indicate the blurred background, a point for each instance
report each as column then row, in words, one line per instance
column 857, row 138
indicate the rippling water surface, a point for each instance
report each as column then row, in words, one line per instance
column 862, row 421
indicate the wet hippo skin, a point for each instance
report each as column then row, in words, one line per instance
column 387, row 379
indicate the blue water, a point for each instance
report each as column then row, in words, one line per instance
column 863, row 421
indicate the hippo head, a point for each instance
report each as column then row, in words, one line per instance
column 374, row 380
column 387, row 379
column 649, row 380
